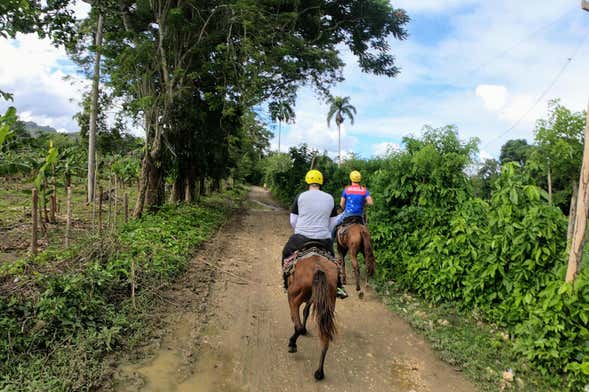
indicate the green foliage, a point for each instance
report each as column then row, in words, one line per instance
column 59, row 322
column 501, row 258
column 483, row 181
column 559, row 140
column 525, row 245
column 515, row 150
column 556, row 333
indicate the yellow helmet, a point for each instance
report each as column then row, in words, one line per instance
column 355, row 176
column 314, row 177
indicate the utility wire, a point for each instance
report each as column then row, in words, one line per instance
column 544, row 92
column 501, row 54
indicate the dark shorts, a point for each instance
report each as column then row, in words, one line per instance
column 297, row 241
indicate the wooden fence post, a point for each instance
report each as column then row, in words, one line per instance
column 133, row 282
column 100, row 210
column 35, row 216
column 126, row 207
column 116, row 195
column 578, row 238
column 109, row 224
column 68, row 222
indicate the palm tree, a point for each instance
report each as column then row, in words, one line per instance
column 340, row 107
column 283, row 113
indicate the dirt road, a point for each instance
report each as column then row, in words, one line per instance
column 228, row 324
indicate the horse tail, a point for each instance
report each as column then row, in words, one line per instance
column 323, row 310
column 368, row 255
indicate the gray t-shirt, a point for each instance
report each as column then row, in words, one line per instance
column 314, row 208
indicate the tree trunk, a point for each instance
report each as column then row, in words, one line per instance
column 279, row 131
column 339, row 145
column 572, row 212
column 579, row 232
column 202, row 186
column 93, row 113
column 178, row 189
column 189, row 192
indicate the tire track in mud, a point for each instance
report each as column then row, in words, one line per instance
column 230, row 326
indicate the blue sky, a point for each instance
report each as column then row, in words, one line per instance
column 488, row 67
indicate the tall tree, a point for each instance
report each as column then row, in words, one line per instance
column 340, row 107
column 559, row 153
column 283, row 113
column 94, row 103
column 515, row 150
column 214, row 60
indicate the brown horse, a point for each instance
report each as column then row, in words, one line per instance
column 354, row 239
column 313, row 281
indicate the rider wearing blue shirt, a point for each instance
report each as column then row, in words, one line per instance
column 354, row 198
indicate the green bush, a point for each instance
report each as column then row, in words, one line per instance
column 58, row 324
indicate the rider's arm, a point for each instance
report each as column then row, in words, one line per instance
column 293, row 220
column 333, row 218
column 342, row 203
column 294, row 213
column 369, row 200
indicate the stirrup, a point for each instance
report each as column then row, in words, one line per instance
column 341, row 293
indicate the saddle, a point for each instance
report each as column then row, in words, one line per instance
column 347, row 222
column 310, row 248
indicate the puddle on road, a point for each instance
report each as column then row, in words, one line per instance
column 406, row 375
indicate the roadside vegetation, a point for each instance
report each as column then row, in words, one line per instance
column 194, row 77
column 485, row 242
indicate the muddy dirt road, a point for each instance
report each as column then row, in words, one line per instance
column 227, row 328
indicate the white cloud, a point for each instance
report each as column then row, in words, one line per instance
column 483, row 155
column 484, row 73
column 32, row 70
column 430, row 5
column 493, row 96
column 384, row 148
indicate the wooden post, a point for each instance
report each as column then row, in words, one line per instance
column 35, row 216
column 68, row 222
column 126, row 207
column 100, row 209
column 116, row 194
column 133, row 282
column 578, row 239
column 109, row 225
column 52, row 207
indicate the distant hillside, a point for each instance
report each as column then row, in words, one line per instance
column 35, row 129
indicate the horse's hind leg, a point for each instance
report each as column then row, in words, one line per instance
column 356, row 266
column 319, row 374
column 295, row 303
column 305, row 317
column 341, row 252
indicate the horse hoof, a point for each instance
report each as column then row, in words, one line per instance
column 361, row 294
column 292, row 349
column 303, row 331
column 319, row 375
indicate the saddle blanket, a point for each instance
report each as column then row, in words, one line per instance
column 289, row 263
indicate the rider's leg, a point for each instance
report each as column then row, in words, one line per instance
column 341, row 291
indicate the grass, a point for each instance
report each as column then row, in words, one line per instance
column 16, row 221
column 481, row 351
column 62, row 313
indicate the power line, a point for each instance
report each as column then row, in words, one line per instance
column 521, row 41
column 544, row 92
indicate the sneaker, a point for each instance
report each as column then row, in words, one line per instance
column 341, row 293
